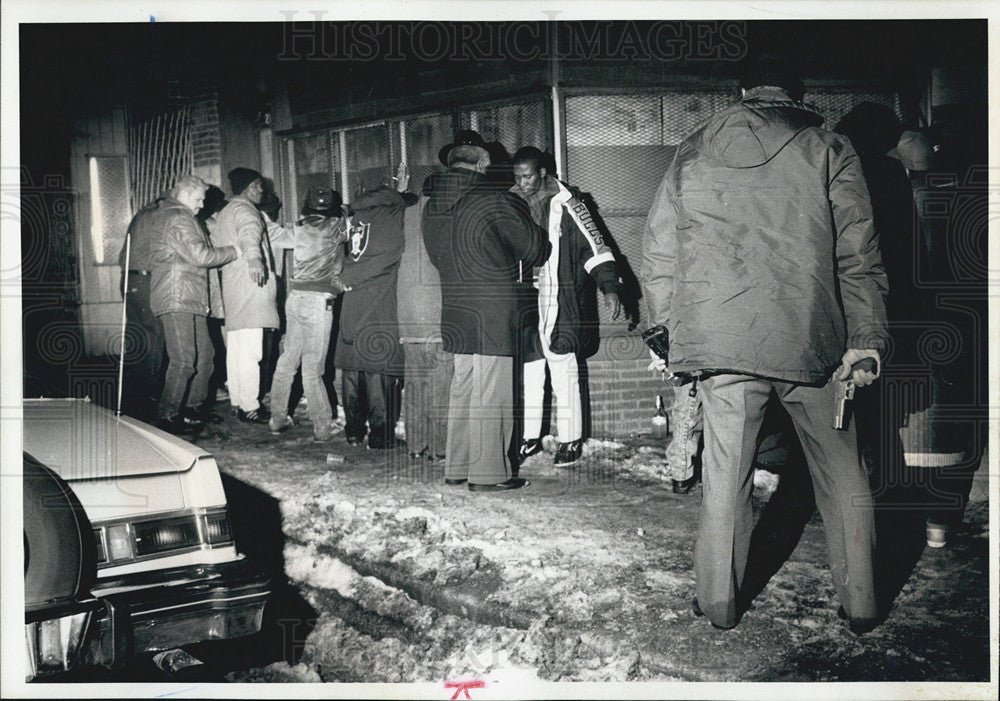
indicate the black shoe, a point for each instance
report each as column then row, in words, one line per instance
column 178, row 426
column 390, row 444
column 568, row 454
column 260, row 415
column 683, row 486
column 435, row 457
column 419, row 454
column 460, row 480
column 528, row 448
column 858, row 626
column 352, row 440
column 696, row 610
column 512, row 483
column 190, row 416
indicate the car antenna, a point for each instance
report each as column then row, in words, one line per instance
column 121, row 356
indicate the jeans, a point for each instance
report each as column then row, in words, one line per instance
column 308, row 319
column 189, row 362
column 425, row 400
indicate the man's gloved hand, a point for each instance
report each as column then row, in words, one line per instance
column 612, row 301
column 257, row 271
column 862, row 378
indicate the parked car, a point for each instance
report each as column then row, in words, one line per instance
column 144, row 559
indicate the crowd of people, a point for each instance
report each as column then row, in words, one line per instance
column 761, row 258
column 466, row 300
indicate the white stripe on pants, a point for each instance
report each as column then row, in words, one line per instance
column 244, row 351
column 565, row 375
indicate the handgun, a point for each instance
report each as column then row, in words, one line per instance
column 845, row 392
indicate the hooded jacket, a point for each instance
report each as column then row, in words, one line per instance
column 475, row 236
column 759, row 254
column 180, row 256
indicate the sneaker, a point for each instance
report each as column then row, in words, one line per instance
column 222, row 393
column 937, row 535
column 178, row 426
column 528, row 448
column 277, row 426
column 568, row 453
column 354, row 440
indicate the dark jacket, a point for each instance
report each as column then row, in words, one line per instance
column 368, row 339
column 475, row 236
column 180, row 255
column 579, row 259
column 759, row 254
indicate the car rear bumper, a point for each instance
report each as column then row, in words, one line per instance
column 172, row 608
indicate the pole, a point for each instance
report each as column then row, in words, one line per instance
column 121, row 358
column 557, row 137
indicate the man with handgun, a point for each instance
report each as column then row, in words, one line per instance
column 761, row 262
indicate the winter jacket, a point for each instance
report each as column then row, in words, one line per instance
column 418, row 291
column 180, row 257
column 368, row 339
column 318, row 252
column 759, row 254
column 143, row 232
column 475, row 236
column 248, row 305
column 566, row 300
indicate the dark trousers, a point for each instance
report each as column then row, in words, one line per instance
column 371, row 398
column 190, row 362
column 144, row 345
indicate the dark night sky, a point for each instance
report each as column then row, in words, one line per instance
column 64, row 66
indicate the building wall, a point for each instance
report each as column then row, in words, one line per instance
column 100, row 133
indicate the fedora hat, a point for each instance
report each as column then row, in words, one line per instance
column 466, row 137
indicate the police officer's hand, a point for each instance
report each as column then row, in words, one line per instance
column 258, row 273
column 862, row 378
column 402, row 178
column 611, row 301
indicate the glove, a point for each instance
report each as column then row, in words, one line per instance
column 862, row 378
column 611, row 300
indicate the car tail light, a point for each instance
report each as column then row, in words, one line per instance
column 54, row 644
column 160, row 536
column 172, row 533
column 217, row 528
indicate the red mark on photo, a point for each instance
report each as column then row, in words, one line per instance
column 459, row 687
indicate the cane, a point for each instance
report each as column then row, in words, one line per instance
column 121, row 359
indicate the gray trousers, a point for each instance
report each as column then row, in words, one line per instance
column 190, row 361
column 480, row 419
column 425, row 397
column 734, row 411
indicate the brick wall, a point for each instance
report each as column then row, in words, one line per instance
column 622, row 391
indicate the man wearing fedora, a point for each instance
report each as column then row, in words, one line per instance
column 476, row 236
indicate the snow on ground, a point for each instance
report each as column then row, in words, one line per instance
column 585, row 575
